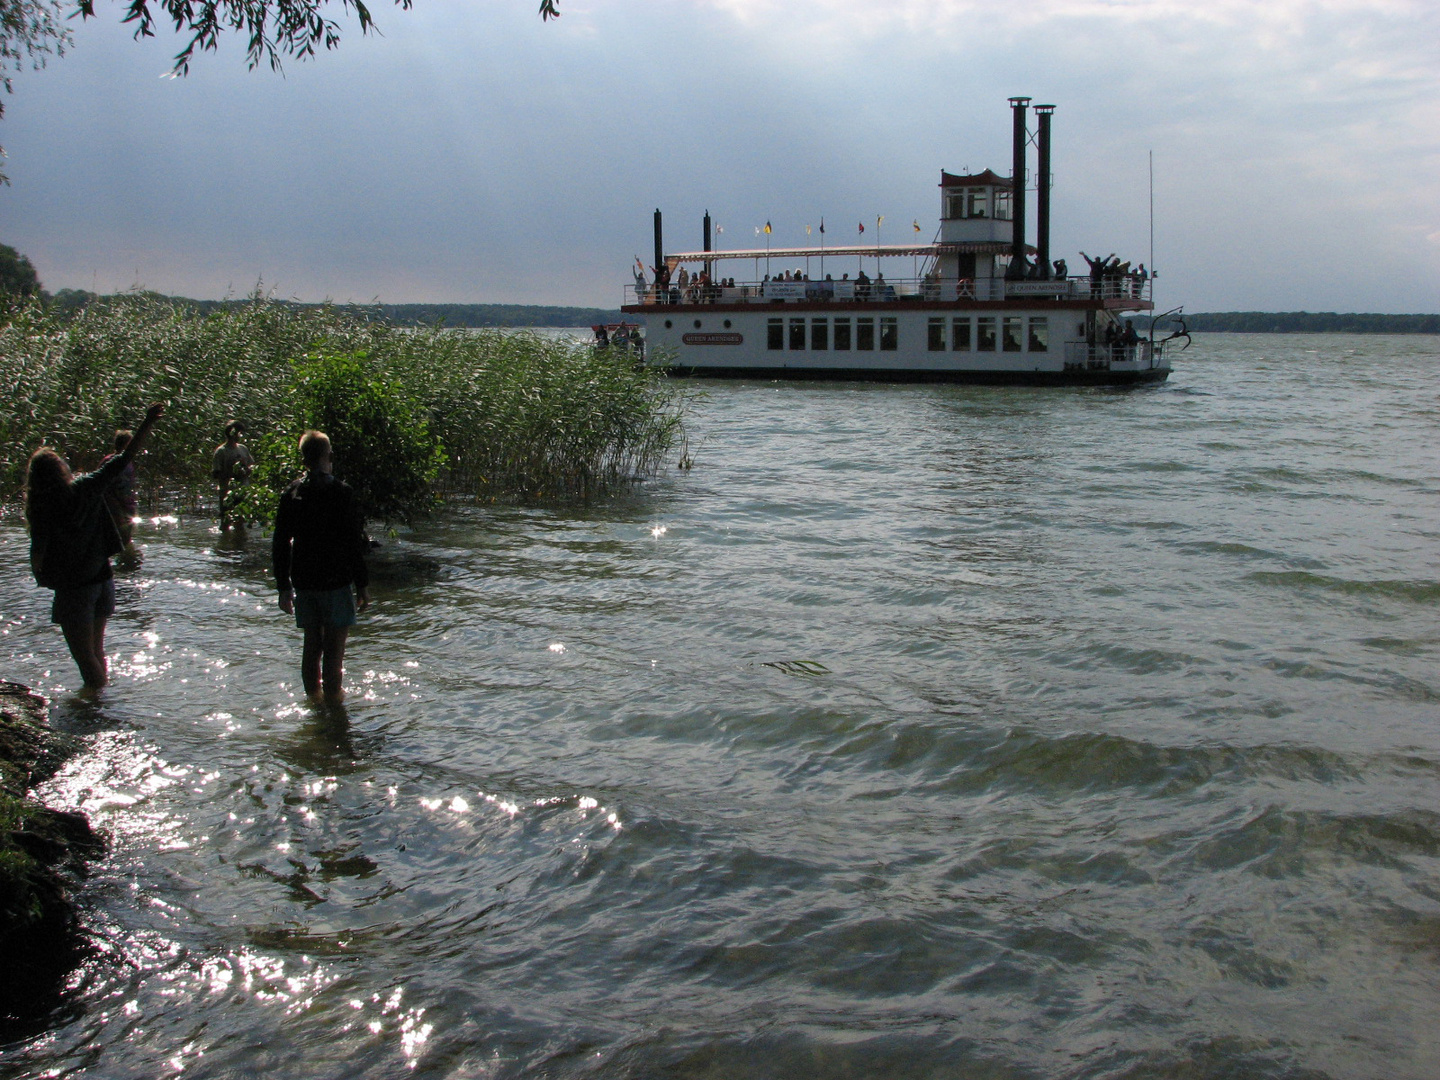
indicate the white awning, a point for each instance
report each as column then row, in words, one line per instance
column 873, row 250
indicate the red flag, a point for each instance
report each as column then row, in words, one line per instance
column 862, row 226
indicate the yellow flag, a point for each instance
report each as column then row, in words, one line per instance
column 917, row 225
column 767, row 227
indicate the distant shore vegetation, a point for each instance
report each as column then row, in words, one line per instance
column 1307, row 322
column 459, row 316
column 432, row 414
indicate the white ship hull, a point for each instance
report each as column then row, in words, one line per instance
column 893, row 341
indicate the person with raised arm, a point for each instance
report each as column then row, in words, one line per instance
column 72, row 537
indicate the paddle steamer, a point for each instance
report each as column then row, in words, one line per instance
column 981, row 306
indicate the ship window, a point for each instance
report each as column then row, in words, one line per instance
column 1039, row 334
column 1002, row 204
column 955, row 205
column 979, row 203
column 727, row 324
column 776, row 334
column 668, row 324
column 797, row 333
column 985, row 334
column 937, row 335
column 842, row 334
column 697, row 324
column 865, row 334
column 820, row 334
column 960, row 335
column 1013, row 328
column 889, row 334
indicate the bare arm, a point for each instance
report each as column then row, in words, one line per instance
column 154, row 413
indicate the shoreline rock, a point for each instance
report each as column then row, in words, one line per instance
column 43, row 854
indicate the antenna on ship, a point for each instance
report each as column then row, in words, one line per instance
column 1152, row 228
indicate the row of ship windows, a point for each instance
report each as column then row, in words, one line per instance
column 987, row 333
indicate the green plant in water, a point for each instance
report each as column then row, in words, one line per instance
column 379, row 432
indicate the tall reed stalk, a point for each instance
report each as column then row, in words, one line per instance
column 516, row 413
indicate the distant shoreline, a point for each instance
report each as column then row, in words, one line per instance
column 467, row 316
column 1307, row 322
column 479, row 316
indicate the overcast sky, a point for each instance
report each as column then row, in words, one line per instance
column 475, row 154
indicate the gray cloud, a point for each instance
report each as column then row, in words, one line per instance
column 473, row 154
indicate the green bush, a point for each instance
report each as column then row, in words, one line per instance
column 380, row 435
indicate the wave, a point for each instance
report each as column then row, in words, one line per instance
column 1419, row 592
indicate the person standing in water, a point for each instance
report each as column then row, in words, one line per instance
column 318, row 552
column 232, row 463
column 72, row 537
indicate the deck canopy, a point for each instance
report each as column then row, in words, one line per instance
column 988, row 178
column 871, row 250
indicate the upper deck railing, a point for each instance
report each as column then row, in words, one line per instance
column 883, row 290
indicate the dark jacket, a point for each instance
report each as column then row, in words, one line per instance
column 319, row 541
column 71, row 542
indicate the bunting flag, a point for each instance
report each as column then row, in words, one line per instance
column 768, row 230
column 879, row 221
column 807, row 230
column 916, row 223
column 862, row 226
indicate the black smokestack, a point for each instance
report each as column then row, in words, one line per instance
column 659, row 245
column 1017, row 193
column 1042, row 192
column 708, row 271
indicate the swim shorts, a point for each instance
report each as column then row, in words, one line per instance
column 325, row 607
column 85, row 603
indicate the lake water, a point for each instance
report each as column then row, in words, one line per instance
column 916, row 732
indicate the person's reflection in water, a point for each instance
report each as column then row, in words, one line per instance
column 323, row 744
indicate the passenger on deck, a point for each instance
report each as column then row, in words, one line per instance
column 1138, row 277
column 1061, row 270
column 1097, row 273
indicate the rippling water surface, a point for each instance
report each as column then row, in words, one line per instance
column 916, row 732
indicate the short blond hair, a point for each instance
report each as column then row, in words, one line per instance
column 313, row 447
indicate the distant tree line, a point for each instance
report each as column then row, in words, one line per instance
column 1307, row 322
column 448, row 315
column 478, row 315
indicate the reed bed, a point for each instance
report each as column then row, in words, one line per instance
column 517, row 414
